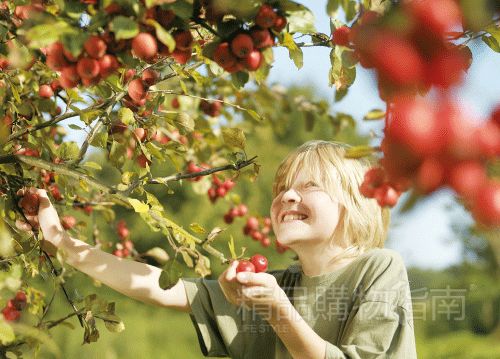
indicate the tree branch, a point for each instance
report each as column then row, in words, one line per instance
column 55, row 273
column 205, row 26
column 116, row 196
column 179, row 176
column 55, row 120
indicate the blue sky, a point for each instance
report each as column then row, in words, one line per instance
column 423, row 236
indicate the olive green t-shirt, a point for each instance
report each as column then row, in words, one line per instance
column 362, row 310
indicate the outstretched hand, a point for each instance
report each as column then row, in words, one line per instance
column 44, row 217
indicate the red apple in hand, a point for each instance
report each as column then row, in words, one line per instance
column 30, row 203
column 259, row 262
column 245, row 266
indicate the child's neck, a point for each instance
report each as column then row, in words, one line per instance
column 316, row 262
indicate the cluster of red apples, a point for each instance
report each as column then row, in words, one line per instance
column 434, row 144
column 409, row 47
column 88, row 68
column 256, row 264
column 125, row 247
column 12, row 310
column 219, row 189
column 243, row 50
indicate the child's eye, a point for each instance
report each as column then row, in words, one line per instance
column 311, row 184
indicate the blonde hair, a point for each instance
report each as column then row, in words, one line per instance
column 363, row 224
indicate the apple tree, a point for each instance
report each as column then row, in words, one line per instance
column 155, row 81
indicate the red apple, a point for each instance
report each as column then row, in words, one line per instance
column 45, row 91
column 242, row 45
column 265, row 16
column 30, row 203
column 68, row 222
column 245, row 266
column 486, row 207
column 259, row 262
column 223, row 55
column 341, row 36
column 95, row 47
column 87, row 68
column 145, row 46
column 253, row 61
column 183, row 40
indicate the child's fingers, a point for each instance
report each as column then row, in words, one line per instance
column 42, row 193
column 256, row 279
column 231, row 271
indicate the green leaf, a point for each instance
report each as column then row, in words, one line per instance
column 91, row 334
column 232, row 250
column 170, row 275
column 340, row 94
column 90, row 116
column 197, row 228
column 182, row 8
column 154, row 150
column 214, row 233
column 6, row 333
column 184, row 122
column 139, row 206
column 234, row 137
column 332, row 7
column 359, row 151
column 163, row 35
column 254, row 115
column 124, row 27
column 117, row 154
column 375, row 114
column 69, row 151
column 342, row 73
column 491, row 42
column 45, row 34
column 351, row 10
column 112, row 322
column 202, row 266
column 240, row 78
column 295, row 52
column 93, row 165
column 126, row 115
column 300, row 18
column 100, row 139
column 75, row 127
column 73, row 42
column 187, row 258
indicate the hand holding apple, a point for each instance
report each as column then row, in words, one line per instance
column 46, row 217
column 246, row 283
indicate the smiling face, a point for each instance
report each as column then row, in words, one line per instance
column 303, row 211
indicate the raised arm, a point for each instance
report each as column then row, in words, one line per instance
column 135, row 280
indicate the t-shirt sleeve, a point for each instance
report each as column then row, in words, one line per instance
column 215, row 319
column 380, row 324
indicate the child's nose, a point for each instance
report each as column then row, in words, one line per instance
column 290, row 195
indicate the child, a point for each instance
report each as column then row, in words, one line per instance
column 346, row 298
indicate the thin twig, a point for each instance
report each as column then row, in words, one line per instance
column 179, row 176
column 55, row 273
column 170, row 92
column 53, row 121
column 206, row 26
